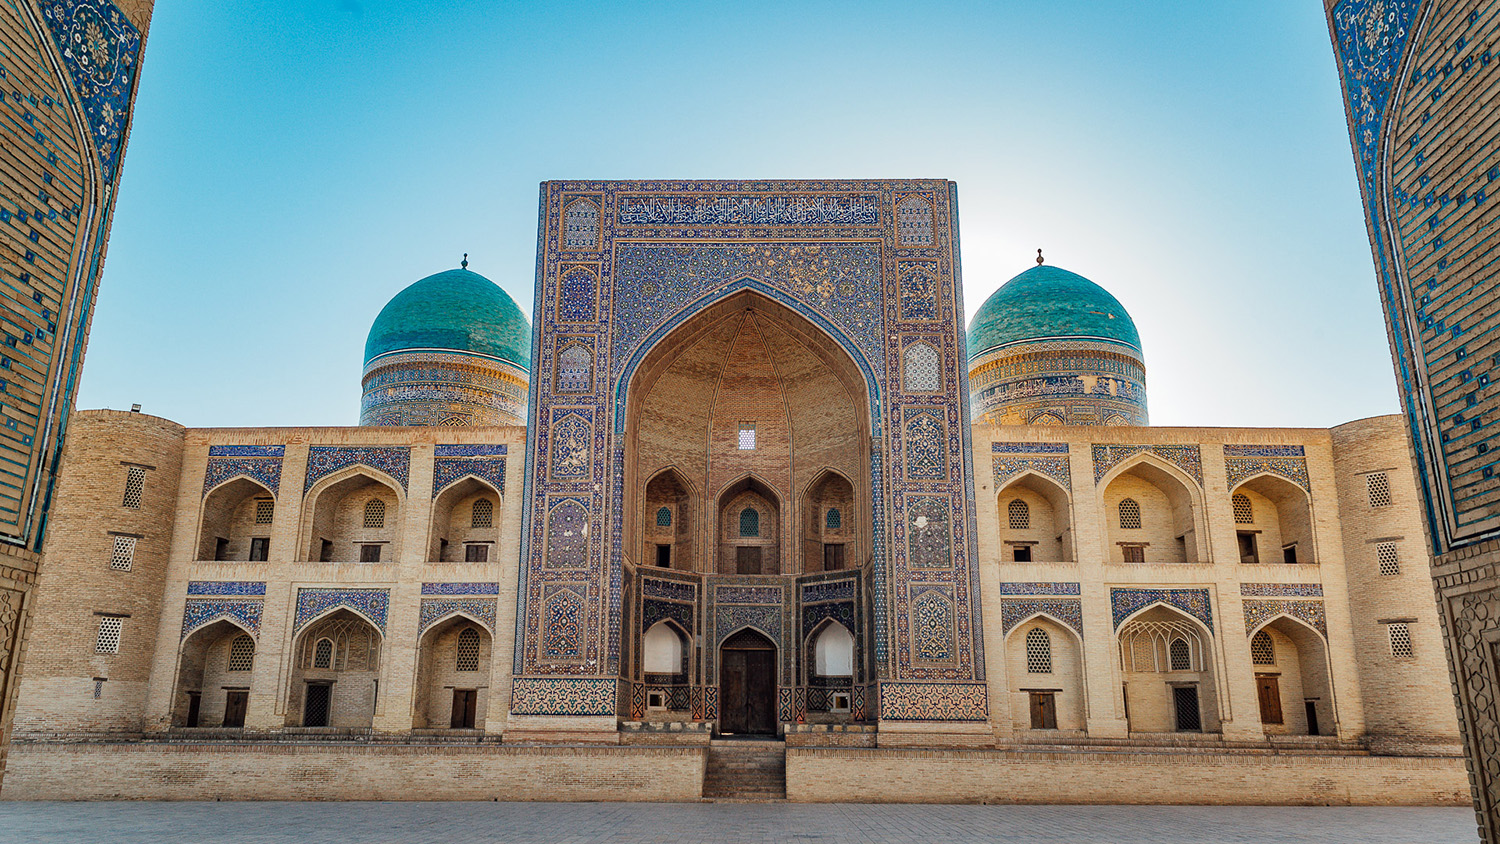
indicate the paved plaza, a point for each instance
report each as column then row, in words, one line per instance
column 647, row 823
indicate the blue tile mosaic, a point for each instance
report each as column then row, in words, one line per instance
column 1018, row 588
column 471, row 450
column 373, row 604
column 261, row 463
column 748, row 595
column 1185, row 457
column 1282, row 590
column 563, row 696
column 673, row 590
column 1013, row 611
column 101, row 49
column 933, row 702
column 225, row 587
column 198, row 612
column 460, row 588
column 828, row 590
column 1242, row 462
column 729, row 618
column 1195, row 602
column 434, row 610
column 447, row 471
column 653, row 611
column 247, row 451
column 323, row 461
column 1029, row 448
column 1258, row 612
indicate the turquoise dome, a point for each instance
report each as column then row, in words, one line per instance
column 1046, row 302
column 455, row 310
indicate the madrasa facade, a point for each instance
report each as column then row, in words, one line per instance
column 744, row 510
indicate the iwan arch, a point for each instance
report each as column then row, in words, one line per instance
column 767, row 485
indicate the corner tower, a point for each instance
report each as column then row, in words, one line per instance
column 1051, row 347
column 452, row 349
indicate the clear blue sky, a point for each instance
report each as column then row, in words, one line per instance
column 295, row 163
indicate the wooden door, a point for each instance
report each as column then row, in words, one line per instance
column 315, row 711
column 465, row 705
column 1269, row 689
column 760, row 692
column 733, row 718
column 235, row 703
column 195, row 701
column 747, row 559
column 747, row 684
column 1043, row 711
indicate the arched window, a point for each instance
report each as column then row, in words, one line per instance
column 749, row 522
column 835, row 518
column 323, row 654
column 1180, row 655
column 467, row 658
column 241, row 654
column 1243, row 515
column 664, row 517
column 1038, row 651
column 833, row 652
column 1262, row 649
column 374, row 513
column 1130, row 514
column 483, row 515
column 1020, row 514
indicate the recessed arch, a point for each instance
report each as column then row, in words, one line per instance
column 1171, row 506
column 830, row 538
column 1053, row 699
column 1295, row 693
column 343, row 694
column 333, row 517
column 229, row 520
column 670, row 542
column 452, row 536
column 1049, row 535
column 1282, row 524
column 1169, row 668
column 204, row 669
column 741, row 551
column 452, row 690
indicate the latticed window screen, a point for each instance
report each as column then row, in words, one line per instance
column 123, row 554
column 374, row 513
column 1385, row 556
column 108, row 641
column 1130, row 514
column 468, row 650
column 1019, row 513
column 1378, row 485
column 1262, row 649
column 749, row 522
column 265, row 509
column 1038, row 651
column 241, row 654
column 323, row 654
column 483, row 514
column 1180, row 655
column 664, row 517
column 747, row 436
column 135, row 481
column 835, row 519
column 1243, row 515
column 1400, row 633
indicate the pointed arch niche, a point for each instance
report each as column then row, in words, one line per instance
column 746, row 388
column 1167, row 664
column 465, row 523
column 1294, row 686
column 335, row 672
column 828, row 522
column 213, row 676
column 1168, row 528
column 453, row 675
column 1279, row 524
column 1044, row 665
column 1035, row 520
column 670, row 513
column 344, row 520
column 236, row 513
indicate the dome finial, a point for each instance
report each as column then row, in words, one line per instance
column 1039, row 260
column 464, row 264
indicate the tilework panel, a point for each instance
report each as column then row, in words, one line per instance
column 201, row 611
column 731, row 617
column 768, row 210
column 1039, row 589
column 1258, row 612
column 1007, row 466
column 567, row 537
column 225, row 587
column 1281, row 590
column 1013, row 611
column 373, row 604
column 1184, row 457
column 572, row 446
column 441, row 388
column 323, row 461
column 673, row 590
column 101, row 49
column 1194, row 602
column 919, row 292
column 581, row 223
column 1029, row 448
column 828, row 590
column 922, row 372
column 1246, row 461
column 654, row 611
column 933, row 625
column 460, row 589
column 471, row 450
column 563, row 617
column 914, row 219
column 575, row 295
column 449, row 470
column 1077, row 382
column 434, row 610
column 563, row 696
column 933, row 702
column 926, row 439
column 814, row 614
column 1264, row 451
column 748, row 594
column 927, row 532
column 260, row 463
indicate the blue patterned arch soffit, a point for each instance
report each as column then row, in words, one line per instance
column 101, row 49
column 1128, row 603
column 1110, row 461
column 373, row 605
column 393, row 462
column 708, row 300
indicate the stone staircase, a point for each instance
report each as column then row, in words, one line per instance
column 747, row 770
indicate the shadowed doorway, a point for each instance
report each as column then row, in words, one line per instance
column 747, row 685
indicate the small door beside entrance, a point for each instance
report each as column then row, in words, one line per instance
column 747, row 685
column 1185, row 704
column 1043, row 710
column 195, row 703
column 1268, row 688
column 236, row 701
column 1312, row 717
column 465, row 705
column 315, row 708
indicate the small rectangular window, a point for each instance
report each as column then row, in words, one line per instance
column 124, row 553
column 1386, row 559
column 833, row 556
column 265, row 510
column 1248, row 553
column 221, row 549
column 664, row 556
column 1289, row 554
column 260, row 549
column 1021, row 553
column 108, row 641
column 325, row 551
column 747, row 436
column 476, row 553
column 1134, row 553
column 369, row 553
column 1400, row 636
column 135, row 481
column 1378, row 487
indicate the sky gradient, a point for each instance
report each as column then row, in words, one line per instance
column 295, row 163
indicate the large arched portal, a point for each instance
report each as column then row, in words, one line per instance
column 747, row 388
column 747, row 684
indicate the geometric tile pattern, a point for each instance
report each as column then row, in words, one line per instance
column 373, row 604
column 1039, row 589
column 448, row 466
column 226, row 587
column 1184, row 457
column 434, row 610
column 460, row 589
column 1246, row 461
column 1194, row 602
column 1047, row 459
column 563, row 696
column 101, row 49
column 933, row 702
column 258, row 462
column 1013, row 611
column 1281, row 590
column 200, row 611
column 1258, row 612
column 325, row 460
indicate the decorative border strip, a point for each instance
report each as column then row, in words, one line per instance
column 247, row 451
column 1282, row 590
column 672, row 590
column 470, row 450
column 1029, row 448
column 1040, row 589
column 226, row 587
column 933, row 702
column 563, row 696
column 460, row 589
column 1185, row 457
column 1264, row 451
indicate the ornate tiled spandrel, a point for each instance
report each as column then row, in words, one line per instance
column 871, row 265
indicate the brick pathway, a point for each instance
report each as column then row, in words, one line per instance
column 646, row 823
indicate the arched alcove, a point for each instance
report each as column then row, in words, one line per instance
column 1044, row 667
column 344, row 523
column 465, row 523
column 214, row 666
column 236, row 522
column 828, row 522
column 749, row 529
column 670, row 513
column 1170, row 515
column 335, row 672
column 1279, row 529
column 747, row 684
column 453, row 675
column 1035, row 520
column 1167, row 665
column 1294, row 688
